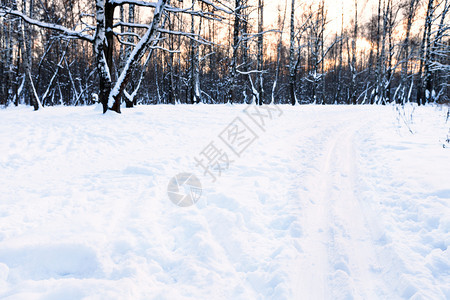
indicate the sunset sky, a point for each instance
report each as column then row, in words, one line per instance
column 334, row 10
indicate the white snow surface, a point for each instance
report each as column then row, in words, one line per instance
column 330, row 202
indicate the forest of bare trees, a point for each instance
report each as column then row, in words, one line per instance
column 75, row 52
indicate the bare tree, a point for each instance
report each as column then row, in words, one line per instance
column 237, row 40
column 102, row 38
column 425, row 55
column 260, row 54
column 292, row 65
column 410, row 11
column 281, row 23
column 215, row 51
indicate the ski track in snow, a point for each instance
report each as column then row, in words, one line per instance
column 342, row 248
column 330, row 202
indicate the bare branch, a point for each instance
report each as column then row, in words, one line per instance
column 66, row 31
column 134, row 2
column 134, row 25
column 226, row 9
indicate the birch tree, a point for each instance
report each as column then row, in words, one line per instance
column 100, row 33
column 410, row 11
column 237, row 40
column 260, row 54
column 292, row 65
column 425, row 55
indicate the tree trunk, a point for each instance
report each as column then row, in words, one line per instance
column 236, row 40
column 405, row 56
column 424, row 55
column 353, row 64
column 281, row 23
column 260, row 55
column 292, row 69
column 100, row 53
column 119, row 87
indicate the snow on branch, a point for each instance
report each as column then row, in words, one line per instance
column 164, row 49
column 328, row 50
column 135, row 2
column 134, row 25
column 125, row 42
column 198, row 13
column 137, row 52
column 437, row 66
column 192, row 36
column 66, row 31
column 251, row 72
column 251, row 36
column 127, row 34
column 226, row 9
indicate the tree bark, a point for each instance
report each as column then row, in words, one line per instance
column 260, row 55
column 292, row 69
column 424, row 55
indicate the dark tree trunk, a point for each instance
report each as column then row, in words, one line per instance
column 233, row 75
column 260, row 55
column 424, row 55
column 292, row 67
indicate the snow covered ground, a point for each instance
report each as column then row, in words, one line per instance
column 323, row 202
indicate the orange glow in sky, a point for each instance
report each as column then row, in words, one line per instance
column 334, row 11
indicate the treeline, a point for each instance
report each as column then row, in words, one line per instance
column 75, row 52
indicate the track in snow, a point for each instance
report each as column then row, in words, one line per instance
column 329, row 203
column 341, row 260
